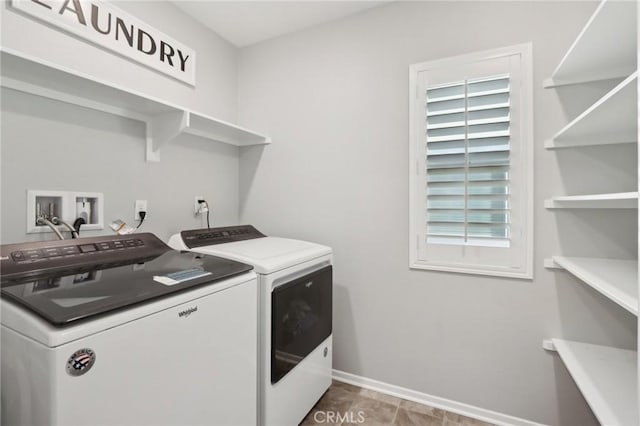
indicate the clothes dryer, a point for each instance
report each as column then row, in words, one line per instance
column 295, row 286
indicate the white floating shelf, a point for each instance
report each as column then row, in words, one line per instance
column 605, row 49
column 607, row 378
column 620, row 200
column 206, row 127
column 613, row 119
column 164, row 121
column 615, row 279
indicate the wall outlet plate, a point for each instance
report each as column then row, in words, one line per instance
column 198, row 208
column 140, row 206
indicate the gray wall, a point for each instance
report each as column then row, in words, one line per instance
column 54, row 146
column 335, row 101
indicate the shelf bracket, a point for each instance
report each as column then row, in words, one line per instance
column 551, row 264
column 162, row 129
column 547, row 345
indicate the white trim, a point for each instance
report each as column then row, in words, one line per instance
column 470, row 57
column 471, row 269
column 472, row 411
column 483, row 261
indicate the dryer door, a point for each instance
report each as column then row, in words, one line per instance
column 301, row 312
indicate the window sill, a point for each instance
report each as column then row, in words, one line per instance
column 501, row 272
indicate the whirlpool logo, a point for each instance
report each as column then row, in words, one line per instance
column 187, row 312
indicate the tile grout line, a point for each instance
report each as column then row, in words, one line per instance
column 393, row 420
column 353, row 401
column 395, row 415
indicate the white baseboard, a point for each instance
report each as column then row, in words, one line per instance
column 433, row 401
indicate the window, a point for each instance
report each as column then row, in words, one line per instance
column 471, row 195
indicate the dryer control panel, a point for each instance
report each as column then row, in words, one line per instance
column 227, row 234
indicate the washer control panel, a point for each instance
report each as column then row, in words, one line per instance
column 227, row 234
column 67, row 251
column 46, row 256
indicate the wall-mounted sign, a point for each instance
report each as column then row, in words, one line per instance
column 109, row 27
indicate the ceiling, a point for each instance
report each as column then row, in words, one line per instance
column 243, row 23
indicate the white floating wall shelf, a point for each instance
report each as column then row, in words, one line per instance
column 164, row 121
column 620, row 200
column 616, row 279
column 613, row 119
column 606, row 377
column 605, row 49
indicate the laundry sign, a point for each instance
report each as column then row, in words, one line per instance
column 107, row 26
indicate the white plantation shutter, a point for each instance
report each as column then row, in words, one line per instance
column 467, row 165
column 471, row 174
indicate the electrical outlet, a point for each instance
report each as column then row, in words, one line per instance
column 88, row 206
column 86, row 209
column 141, row 206
column 198, row 207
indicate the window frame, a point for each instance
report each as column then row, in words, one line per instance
column 471, row 259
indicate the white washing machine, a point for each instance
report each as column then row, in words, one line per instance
column 123, row 330
column 295, row 314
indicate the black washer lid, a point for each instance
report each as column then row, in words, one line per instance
column 104, row 276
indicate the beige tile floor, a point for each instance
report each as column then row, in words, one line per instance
column 345, row 404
